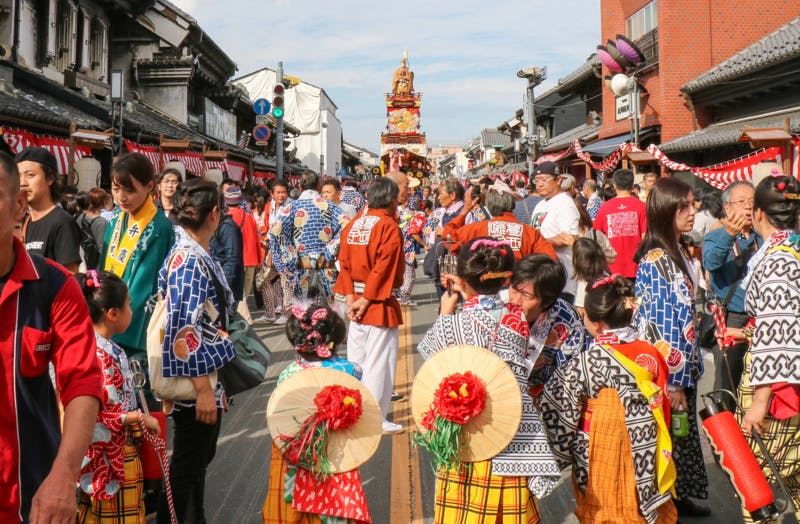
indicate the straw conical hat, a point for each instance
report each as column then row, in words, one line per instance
column 292, row 402
column 490, row 432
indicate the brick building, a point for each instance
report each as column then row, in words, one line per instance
column 681, row 39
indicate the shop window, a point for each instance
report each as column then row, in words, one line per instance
column 642, row 21
column 99, row 49
column 66, row 51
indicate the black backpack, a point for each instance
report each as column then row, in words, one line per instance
column 91, row 251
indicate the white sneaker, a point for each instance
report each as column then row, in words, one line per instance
column 391, row 427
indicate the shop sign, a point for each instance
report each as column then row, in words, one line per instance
column 219, row 123
column 623, row 107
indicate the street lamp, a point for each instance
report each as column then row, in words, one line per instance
column 323, row 126
column 626, row 85
column 534, row 76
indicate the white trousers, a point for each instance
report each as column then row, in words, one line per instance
column 375, row 350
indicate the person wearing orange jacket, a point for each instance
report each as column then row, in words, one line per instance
column 371, row 266
column 524, row 239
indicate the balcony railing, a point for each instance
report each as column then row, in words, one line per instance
column 648, row 45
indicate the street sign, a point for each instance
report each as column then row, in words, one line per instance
column 261, row 133
column 262, row 106
column 263, row 119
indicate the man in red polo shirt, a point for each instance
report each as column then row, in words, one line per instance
column 43, row 319
column 623, row 220
column 371, row 265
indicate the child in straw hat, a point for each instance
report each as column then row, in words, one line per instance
column 314, row 331
column 504, row 487
column 607, row 414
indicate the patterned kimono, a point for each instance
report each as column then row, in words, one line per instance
column 305, row 242
column 555, row 337
column 191, row 284
column 666, row 319
column 772, row 298
column 285, row 503
column 351, row 196
column 112, row 472
column 505, row 483
column 605, row 425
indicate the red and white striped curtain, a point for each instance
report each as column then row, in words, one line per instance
column 19, row 139
column 236, row 170
column 151, row 152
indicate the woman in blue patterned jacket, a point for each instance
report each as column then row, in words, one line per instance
column 666, row 319
column 198, row 302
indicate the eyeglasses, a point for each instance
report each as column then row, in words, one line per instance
column 529, row 296
column 749, row 202
column 543, row 179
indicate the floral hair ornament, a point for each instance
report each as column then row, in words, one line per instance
column 92, row 279
column 633, row 303
column 466, row 404
column 495, row 274
column 605, row 281
column 488, row 242
column 324, row 421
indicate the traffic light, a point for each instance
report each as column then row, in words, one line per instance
column 277, row 100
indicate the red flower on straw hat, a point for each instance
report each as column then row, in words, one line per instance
column 459, row 398
column 338, row 408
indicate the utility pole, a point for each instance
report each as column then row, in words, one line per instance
column 534, row 76
column 279, row 131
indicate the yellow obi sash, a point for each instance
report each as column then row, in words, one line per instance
column 121, row 245
column 665, row 466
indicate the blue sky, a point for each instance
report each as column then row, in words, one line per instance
column 464, row 54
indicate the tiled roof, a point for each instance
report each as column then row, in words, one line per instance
column 779, row 46
column 586, row 70
column 582, row 132
column 36, row 106
column 494, row 138
column 728, row 133
column 40, row 100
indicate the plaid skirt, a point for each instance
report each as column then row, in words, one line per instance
column 781, row 438
column 127, row 507
column 610, row 494
column 340, row 494
column 473, row 495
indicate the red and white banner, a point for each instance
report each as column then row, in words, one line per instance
column 236, row 170
column 610, row 162
column 720, row 175
column 151, row 152
column 19, row 139
column 555, row 157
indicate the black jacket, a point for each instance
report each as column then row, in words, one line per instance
column 226, row 247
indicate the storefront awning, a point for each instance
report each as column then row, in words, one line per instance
column 609, row 145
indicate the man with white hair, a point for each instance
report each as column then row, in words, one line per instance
column 523, row 239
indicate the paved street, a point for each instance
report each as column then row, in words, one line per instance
column 398, row 479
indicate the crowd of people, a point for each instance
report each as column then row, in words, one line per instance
column 594, row 299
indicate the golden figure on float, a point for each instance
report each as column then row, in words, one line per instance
column 403, row 80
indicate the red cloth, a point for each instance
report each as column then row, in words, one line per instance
column 524, row 239
column 340, row 495
column 623, row 220
column 251, row 239
column 27, row 402
column 371, row 253
column 648, row 357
